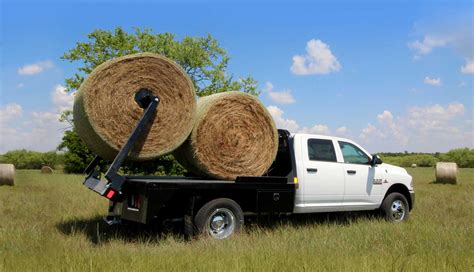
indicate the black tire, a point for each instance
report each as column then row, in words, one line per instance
column 395, row 208
column 219, row 219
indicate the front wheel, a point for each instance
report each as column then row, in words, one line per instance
column 219, row 218
column 395, row 208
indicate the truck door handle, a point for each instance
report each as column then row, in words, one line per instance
column 351, row 172
column 312, row 170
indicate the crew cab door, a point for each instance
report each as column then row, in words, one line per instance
column 363, row 182
column 323, row 187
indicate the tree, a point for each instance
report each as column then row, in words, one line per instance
column 201, row 57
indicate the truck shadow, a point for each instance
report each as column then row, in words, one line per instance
column 98, row 232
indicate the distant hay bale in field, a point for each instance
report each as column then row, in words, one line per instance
column 413, row 165
column 105, row 111
column 7, row 174
column 446, row 172
column 234, row 135
column 46, row 170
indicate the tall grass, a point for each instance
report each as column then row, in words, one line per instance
column 52, row 223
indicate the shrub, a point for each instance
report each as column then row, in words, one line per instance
column 464, row 157
column 25, row 159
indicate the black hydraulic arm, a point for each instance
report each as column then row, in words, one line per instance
column 114, row 181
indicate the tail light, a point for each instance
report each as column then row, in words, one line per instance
column 110, row 194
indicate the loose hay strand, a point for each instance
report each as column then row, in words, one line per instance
column 7, row 174
column 234, row 135
column 105, row 111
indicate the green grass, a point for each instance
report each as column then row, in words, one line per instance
column 52, row 223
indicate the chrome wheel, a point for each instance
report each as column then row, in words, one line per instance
column 398, row 210
column 221, row 223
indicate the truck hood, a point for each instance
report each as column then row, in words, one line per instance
column 392, row 169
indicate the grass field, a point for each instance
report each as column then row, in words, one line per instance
column 52, row 223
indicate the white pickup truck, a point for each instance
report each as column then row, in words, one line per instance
column 311, row 174
column 336, row 174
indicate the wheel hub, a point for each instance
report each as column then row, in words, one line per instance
column 398, row 210
column 221, row 223
column 217, row 222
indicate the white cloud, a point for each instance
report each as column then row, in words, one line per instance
column 423, row 128
column 35, row 68
column 282, row 97
column 9, row 112
column 436, row 117
column 41, row 131
column 342, row 131
column 20, row 85
column 428, row 128
column 368, row 132
column 318, row 60
column 385, row 116
column 61, row 99
column 458, row 35
column 316, row 129
column 427, row 45
column 432, row 81
column 293, row 126
column 468, row 68
column 281, row 122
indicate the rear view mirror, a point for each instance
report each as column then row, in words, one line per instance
column 375, row 160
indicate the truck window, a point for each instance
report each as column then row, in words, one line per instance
column 353, row 154
column 321, row 150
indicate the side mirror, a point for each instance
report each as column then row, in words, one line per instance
column 375, row 160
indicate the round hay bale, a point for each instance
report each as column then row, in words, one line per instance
column 446, row 172
column 7, row 174
column 234, row 135
column 105, row 111
column 46, row 170
column 413, row 165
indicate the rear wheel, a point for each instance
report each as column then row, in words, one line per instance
column 219, row 218
column 395, row 208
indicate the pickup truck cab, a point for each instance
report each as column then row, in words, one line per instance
column 311, row 174
column 337, row 174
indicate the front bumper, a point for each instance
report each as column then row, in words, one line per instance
column 412, row 196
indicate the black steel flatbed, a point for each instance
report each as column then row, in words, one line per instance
column 146, row 199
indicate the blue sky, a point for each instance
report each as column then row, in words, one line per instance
column 393, row 76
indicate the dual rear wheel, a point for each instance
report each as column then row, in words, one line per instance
column 219, row 219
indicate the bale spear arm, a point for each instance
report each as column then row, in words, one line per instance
column 112, row 186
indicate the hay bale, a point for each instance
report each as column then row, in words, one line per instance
column 7, row 174
column 446, row 172
column 234, row 135
column 46, row 170
column 413, row 165
column 105, row 111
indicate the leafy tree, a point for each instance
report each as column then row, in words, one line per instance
column 25, row 159
column 464, row 157
column 201, row 57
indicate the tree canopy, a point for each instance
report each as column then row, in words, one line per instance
column 203, row 59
